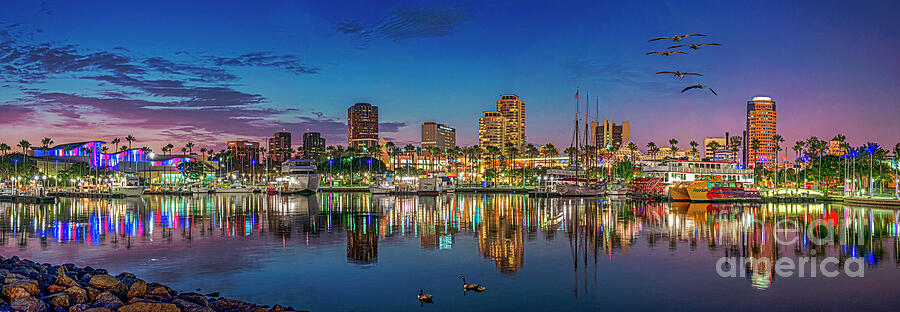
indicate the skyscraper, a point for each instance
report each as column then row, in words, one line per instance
column 280, row 147
column 438, row 135
column 313, row 145
column 510, row 107
column 611, row 134
column 761, row 125
column 362, row 125
column 492, row 130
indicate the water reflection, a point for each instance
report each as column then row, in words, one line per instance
column 501, row 226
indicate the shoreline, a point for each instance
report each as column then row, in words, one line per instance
column 26, row 285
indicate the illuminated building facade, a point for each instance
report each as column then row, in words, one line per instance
column 313, row 146
column 280, row 147
column 708, row 151
column 243, row 153
column 362, row 125
column 513, row 109
column 761, row 125
column 438, row 135
column 611, row 134
column 492, row 130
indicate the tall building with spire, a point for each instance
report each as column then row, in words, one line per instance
column 513, row 109
column 362, row 125
column 761, row 125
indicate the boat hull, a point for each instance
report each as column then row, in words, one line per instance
column 301, row 184
column 128, row 191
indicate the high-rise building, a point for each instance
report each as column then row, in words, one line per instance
column 708, row 151
column 611, row 134
column 492, row 130
column 510, row 107
column 280, row 147
column 362, row 125
column 761, row 125
column 244, row 153
column 313, row 146
column 438, row 135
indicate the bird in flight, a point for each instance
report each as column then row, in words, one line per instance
column 699, row 86
column 675, row 38
column 678, row 73
column 666, row 53
column 692, row 46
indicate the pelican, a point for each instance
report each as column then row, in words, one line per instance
column 692, row 46
column 425, row 297
column 675, row 38
column 678, row 73
column 666, row 53
column 699, row 86
column 469, row 287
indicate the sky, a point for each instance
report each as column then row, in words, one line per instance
column 211, row 71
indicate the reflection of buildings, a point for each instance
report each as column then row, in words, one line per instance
column 362, row 241
column 500, row 236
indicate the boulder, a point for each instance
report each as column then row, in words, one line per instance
column 107, row 282
column 136, row 289
column 63, row 279
column 149, row 307
column 14, row 293
column 60, row 300
column 226, row 304
column 77, row 295
column 158, row 293
column 29, row 285
column 187, row 306
column 56, row 288
column 29, row 304
column 195, row 298
column 107, row 300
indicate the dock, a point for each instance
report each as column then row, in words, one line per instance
column 29, row 199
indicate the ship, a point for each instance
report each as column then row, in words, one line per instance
column 129, row 186
column 712, row 189
column 299, row 176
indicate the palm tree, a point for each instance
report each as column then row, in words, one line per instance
column 116, row 141
column 104, row 149
column 896, row 170
column 841, row 139
column 673, row 144
column 130, row 139
column 4, row 148
column 203, row 151
column 651, row 147
column 871, row 148
column 735, row 146
column 754, row 146
column 190, row 147
column 45, row 142
column 694, row 150
column 798, row 146
column 714, row 146
column 778, row 140
column 548, row 151
column 632, row 147
column 389, row 146
column 24, row 144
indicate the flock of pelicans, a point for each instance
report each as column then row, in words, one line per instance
column 426, row 298
column 692, row 46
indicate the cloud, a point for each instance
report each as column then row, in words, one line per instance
column 14, row 114
column 390, row 126
column 289, row 63
column 585, row 70
column 409, row 22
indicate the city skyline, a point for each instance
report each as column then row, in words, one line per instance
column 80, row 78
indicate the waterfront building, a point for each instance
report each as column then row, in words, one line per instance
column 611, row 134
column 513, row 109
column 313, row 146
column 761, row 125
column 280, row 147
column 834, row 148
column 492, row 130
column 592, row 138
column 362, row 125
column 708, row 151
column 243, row 153
column 438, row 135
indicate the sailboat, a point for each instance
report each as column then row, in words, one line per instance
column 571, row 181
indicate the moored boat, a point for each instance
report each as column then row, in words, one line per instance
column 299, row 176
column 129, row 186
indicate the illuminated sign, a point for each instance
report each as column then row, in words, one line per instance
column 445, row 128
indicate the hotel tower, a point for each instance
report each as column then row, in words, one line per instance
column 761, row 121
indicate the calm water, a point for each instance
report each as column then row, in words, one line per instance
column 359, row 252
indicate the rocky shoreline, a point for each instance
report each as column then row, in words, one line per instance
column 38, row 287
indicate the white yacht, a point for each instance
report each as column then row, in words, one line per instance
column 299, row 176
column 568, row 182
column 381, row 184
column 129, row 186
column 435, row 185
column 235, row 188
column 199, row 189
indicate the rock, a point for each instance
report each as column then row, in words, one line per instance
column 92, row 293
column 126, row 275
column 107, row 300
column 77, row 295
column 188, row 306
column 87, row 308
column 57, row 300
column 159, row 293
column 226, row 304
column 137, row 289
column 107, row 282
column 29, row 285
column 56, row 288
column 14, row 293
column 213, row 294
column 63, row 279
column 29, row 304
column 149, row 307
column 195, row 298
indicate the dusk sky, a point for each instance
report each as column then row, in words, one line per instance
column 178, row 71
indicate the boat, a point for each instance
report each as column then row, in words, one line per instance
column 299, row 176
column 382, row 184
column 199, row 189
column 435, row 185
column 129, row 186
column 617, row 189
column 712, row 189
column 235, row 188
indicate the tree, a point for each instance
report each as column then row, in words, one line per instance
column 673, row 143
column 632, row 147
column 116, row 141
column 192, row 170
column 130, row 139
column 190, row 147
column 651, row 148
column 778, row 140
column 714, row 146
column 754, row 146
column 871, row 148
column 694, row 150
column 45, row 143
column 4, row 148
column 798, row 146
